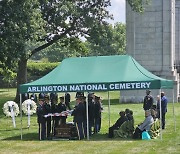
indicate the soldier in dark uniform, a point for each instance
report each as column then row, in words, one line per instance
column 85, row 116
column 41, row 95
column 33, row 97
column 118, row 123
column 97, row 114
column 53, row 96
column 148, row 101
column 47, row 107
column 91, row 97
column 55, row 119
column 67, row 100
column 60, row 108
column 41, row 120
column 78, row 114
column 25, row 96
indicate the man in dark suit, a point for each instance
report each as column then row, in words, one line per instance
column 164, row 102
column 148, row 101
column 41, row 120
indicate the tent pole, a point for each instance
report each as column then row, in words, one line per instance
column 160, row 114
column 21, row 112
column 109, row 108
column 87, row 119
column 174, row 113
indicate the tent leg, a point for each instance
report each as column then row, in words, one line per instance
column 21, row 113
column 87, row 119
column 174, row 117
column 109, row 108
column 160, row 114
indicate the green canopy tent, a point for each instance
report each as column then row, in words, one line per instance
column 100, row 73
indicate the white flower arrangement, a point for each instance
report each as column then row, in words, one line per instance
column 7, row 110
column 32, row 108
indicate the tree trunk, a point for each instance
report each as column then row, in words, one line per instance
column 21, row 76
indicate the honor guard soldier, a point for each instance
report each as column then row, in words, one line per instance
column 41, row 120
column 55, row 119
column 53, row 96
column 97, row 114
column 62, row 107
column 148, row 101
column 91, row 106
column 25, row 96
column 47, row 107
column 67, row 100
column 78, row 114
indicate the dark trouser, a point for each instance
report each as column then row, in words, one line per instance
column 97, row 125
column 91, row 124
column 48, row 126
column 137, row 134
column 163, row 120
column 85, row 128
column 63, row 119
column 111, row 132
column 42, row 131
column 55, row 124
column 80, row 130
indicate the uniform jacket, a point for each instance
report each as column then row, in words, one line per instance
column 40, row 114
column 78, row 113
column 148, row 102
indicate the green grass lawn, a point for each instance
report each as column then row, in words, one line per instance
column 10, row 141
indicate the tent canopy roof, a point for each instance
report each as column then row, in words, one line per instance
column 101, row 73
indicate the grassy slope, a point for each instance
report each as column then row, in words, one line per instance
column 10, row 137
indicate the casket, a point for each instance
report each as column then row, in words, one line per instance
column 67, row 130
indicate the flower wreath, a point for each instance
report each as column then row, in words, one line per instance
column 33, row 107
column 7, row 110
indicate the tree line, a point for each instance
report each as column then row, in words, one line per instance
column 31, row 26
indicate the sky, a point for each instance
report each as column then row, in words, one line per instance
column 117, row 8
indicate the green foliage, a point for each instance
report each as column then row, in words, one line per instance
column 21, row 23
column 138, row 5
column 107, row 40
column 70, row 47
column 8, row 76
column 39, row 68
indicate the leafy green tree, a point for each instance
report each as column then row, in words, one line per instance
column 107, row 40
column 29, row 26
column 73, row 47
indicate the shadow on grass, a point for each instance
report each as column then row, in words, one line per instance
column 25, row 137
column 2, row 91
column 116, row 102
column 104, row 137
column 95, row 137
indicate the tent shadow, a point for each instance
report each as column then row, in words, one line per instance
column 104, row 137
column 26, row 137
column 95, row 137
